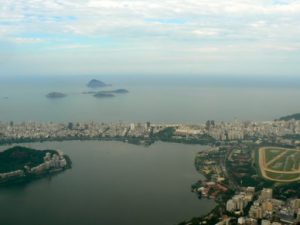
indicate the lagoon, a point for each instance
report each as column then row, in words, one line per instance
column 110, row 183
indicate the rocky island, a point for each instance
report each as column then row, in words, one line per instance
column 103, row 95
column 21, row 164
column 120, row 91
column 96, row 84
column 117, row 91
column 56, row 95
column 111, row 93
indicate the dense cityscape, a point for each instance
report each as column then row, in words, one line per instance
column 284, row 132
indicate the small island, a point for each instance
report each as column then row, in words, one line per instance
column 96, row 84
column 103, row 95
column 117, row 91
column 120, row 91
column 21, row 164
column 111, row 93
column 56, row 95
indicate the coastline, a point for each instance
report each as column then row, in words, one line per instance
column 130, row 140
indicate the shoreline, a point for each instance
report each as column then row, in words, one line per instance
column 129, row 140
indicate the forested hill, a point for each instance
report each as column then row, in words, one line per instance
column 17, row 157
column 290, row 117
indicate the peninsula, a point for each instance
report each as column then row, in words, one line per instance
column 21, row 164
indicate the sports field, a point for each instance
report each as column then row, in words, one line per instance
column 279, row 164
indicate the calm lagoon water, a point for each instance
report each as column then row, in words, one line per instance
column 110, row 183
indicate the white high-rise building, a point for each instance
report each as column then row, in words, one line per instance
column 266, row 193
column 265, row 222
column 230, row 205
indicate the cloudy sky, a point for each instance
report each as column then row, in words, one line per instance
column 200, row 37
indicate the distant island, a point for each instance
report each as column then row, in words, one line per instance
column 295, row 116
column 117, row 91
column 56, row 95
column 21, row 164
column 96, row 84
column 120, row 91
column 107, row 93
column 103, row 95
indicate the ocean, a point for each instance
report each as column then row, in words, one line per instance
column 175, row 100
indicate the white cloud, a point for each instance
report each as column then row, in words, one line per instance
column 98, row 17
column 206, row 32
column 282, row 48
column 258, row 24
column 19, row 40
column 237, row 28
column 70, row 47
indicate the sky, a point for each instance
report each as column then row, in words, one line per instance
column 194, row 37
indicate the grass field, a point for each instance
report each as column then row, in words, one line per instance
column 272, row 153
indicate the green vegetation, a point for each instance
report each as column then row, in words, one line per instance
column 292, row 136
column 168, row 135
column 295, row 116
column 165, row 134
column 17, row 157
column 286, row 191
column 272, row 153
column 16, row 160
column 283, row 177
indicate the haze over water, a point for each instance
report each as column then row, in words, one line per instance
column 168, row 99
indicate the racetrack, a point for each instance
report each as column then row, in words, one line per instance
column 283, row 175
